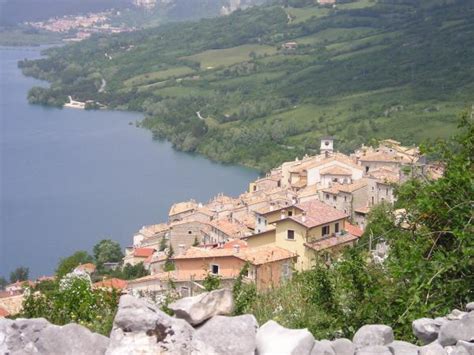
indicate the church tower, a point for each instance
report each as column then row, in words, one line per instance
column 327, row 145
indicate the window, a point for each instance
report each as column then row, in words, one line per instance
column 372, row 200
column 290, row 213
column 327, row 196
column 366, row 169
column 325, row 231
column 190, row 232
column 265, row 222
column 334, row 180
column 290, row 234
column 214, row 269
column 184, row 291
column 336, row 228
column 334, row 197
column 259, row 220
column 345, row 198
column 386, row 191
column 286, row 271
column 255, row 188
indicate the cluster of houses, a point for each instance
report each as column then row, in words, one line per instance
column 303, row 210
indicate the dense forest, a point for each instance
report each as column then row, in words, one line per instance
column 262, row 85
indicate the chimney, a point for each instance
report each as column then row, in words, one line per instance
column 272, row 207
column 303, row 216
column 236, row 248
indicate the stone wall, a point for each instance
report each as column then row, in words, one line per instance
column 202, row 326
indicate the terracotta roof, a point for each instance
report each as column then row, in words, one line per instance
column 21, row 284
column 170, row 275
column 143, row 252
column 3, row 312
column 363, row 210
column 231, row 229
column 255, row 256
column 354, row 230
column 321, row 160
column 308, row 191
column 335, row 170
column 331, row 242
column 232, row 243
column 266, row 210
column 317, row 213
column 118, row 284
column 270, row 228
column 6, row 294
column 181, row 207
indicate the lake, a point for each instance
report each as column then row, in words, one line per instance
column 69, row 178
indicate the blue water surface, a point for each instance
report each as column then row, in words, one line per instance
column 69, row 178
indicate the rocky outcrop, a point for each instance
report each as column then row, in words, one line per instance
column 38, row 336
column 203, row 326
column 197, row 309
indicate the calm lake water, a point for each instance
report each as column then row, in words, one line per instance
column 69, row 178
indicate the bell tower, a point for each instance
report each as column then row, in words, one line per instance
column 327, row 145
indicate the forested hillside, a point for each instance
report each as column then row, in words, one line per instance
column 228, row 88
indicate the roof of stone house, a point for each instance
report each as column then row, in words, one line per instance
column 300, row 183
column 235, row 242
column 45, row 278
column 152, row 229
column 308, row 191
column 363, row 210
column 168, row 275
column 331, row 242
column 255, row 256
column 384, row 157
column 247, row 219
column 3, row 312
column 358, row 184
column 143, row 252
column 115, row 283
column 87, row 267
column 322, row 159
column 6, row 294
column 231, row 229
column 181, row 207
column 335, row 170
column 353, row 229
column 316, row 213
column 274, row 208
column 386, row 175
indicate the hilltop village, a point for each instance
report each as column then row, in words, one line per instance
column 304, row 209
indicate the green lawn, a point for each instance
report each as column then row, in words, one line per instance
column 335, row 35
column 225, row 57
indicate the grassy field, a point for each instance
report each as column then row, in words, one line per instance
column 149, row 78
column 299, row 15
column 225, row 57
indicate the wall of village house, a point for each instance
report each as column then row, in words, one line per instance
column 185, row 234
column 267, row 238
column 229, row 266
column 373, row 165
column 273, row 274
column 360, row 220
column 179, row 216
column 314, row 176
column 385, row 193
column 295, row 246
column 327, row 180
column 317, row 232
column 199, row 217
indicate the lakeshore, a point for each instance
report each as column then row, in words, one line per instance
column 72, row 177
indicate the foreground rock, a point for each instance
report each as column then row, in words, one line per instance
column 229, row 335
column 197, row 309
column 462, row 329
column 38, row 336
column 141, row 328
column 373, row 335
column 272, row 339
column 426, row 329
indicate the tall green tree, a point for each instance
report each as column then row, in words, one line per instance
column 19, row 274
column 68, row 264
column 107, row 251
column 3, row 283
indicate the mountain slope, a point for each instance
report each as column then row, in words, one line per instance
column 226, row 88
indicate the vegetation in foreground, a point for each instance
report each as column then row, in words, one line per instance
column 428, row 271
column 226, row 88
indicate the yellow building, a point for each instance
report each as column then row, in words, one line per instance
column 311, row 230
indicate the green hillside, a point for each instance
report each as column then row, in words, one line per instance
column 365, row 69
